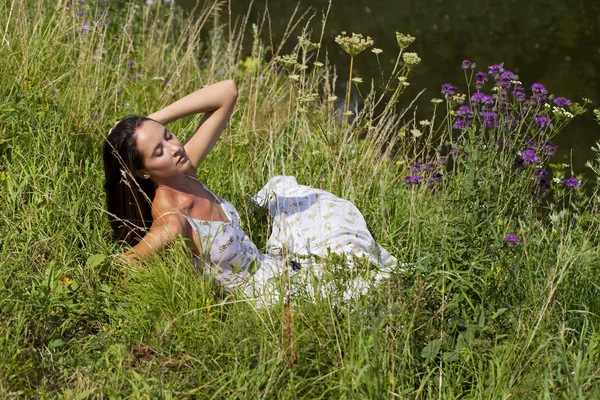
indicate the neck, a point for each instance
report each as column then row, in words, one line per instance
column 179, row 183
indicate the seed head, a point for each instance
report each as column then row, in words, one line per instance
column 353, row 45
column 376, row 51
column 404, row 40
column 307, row 45
column 288, row 61
column 411, row 59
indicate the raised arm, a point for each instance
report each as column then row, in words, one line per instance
column 217, row 102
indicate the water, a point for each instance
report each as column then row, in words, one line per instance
column 554, row 42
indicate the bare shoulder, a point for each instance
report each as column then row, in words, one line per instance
column 169, row 214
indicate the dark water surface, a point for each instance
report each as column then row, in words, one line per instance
column 554, row 42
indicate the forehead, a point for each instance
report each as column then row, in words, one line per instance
column 148, row 135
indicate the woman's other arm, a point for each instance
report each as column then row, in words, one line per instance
column 217, row 101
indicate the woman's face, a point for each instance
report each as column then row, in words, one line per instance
column 163, row 154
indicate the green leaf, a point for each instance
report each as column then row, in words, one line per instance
column 432, row 349
column 57, row 343
column 499, row 312
column 84, row 395
column 95, row 260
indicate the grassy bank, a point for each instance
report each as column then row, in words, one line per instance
column 500, row 295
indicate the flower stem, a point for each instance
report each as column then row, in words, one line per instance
column 348, row 93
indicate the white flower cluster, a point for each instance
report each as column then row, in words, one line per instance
column 561, row 112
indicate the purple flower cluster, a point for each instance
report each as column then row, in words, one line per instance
column 541, row 175
column 419, row 172
column 465, row 112
column 448, row 90
column 482, row 98
column 413, row 179
column 466, row 64
column 480, row 80
column 544, row 148
column 490, row 119
column 506, row 79
column 511, row 240
column 529, row 157
column 539, row 92
column 495, row 69
column 562, row 102
column 571, row 182
column 519, row 94
column 542, row 121
column 462, row 124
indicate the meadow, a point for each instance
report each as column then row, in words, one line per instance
column 497, row 295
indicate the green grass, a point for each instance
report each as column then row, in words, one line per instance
column 469, row 317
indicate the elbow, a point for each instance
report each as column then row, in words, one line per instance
column 231, row 89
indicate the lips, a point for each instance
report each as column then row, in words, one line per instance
column 181, row 158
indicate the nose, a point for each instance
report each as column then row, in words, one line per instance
column 175, row 149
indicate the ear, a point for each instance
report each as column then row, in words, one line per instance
column 142, row 174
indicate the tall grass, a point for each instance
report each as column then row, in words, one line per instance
column 468, row 315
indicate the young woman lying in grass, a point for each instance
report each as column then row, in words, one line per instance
column 154, row 196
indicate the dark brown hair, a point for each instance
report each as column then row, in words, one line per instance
column 128, row 196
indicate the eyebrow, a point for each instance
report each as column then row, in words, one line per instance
column 160, row 144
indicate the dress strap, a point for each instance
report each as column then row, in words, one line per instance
column 193, row 177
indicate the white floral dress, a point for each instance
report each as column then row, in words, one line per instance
column 308, row 224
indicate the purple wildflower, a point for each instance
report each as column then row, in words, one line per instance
column 442, row 160
column 429, row 167
column 80, row 13
column 505, row 79
column 85, row 27
column 541, row 173
column 149, row 2
column 562, row 102
column 455, row 152
column 548, row 148
column 131, row 63
column 437, row 176
column 466, row 64
column 495, row 69
column 542, row 121
column 117, row 92
column 415, row 168
column 138, row 76
column 519, row 93
column 511, row 240
column 448, row 90
column 571, row 182
column 529, row 157
column 167, row 1
column 544, row 185
column 539, row 92
column 490, row 119
column 462, row 124
column 219, row 72
column 465, row 112
column 412, row 180
column 480, row 79
column 482, row 98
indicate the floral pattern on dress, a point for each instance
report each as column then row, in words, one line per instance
column 307, row 222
